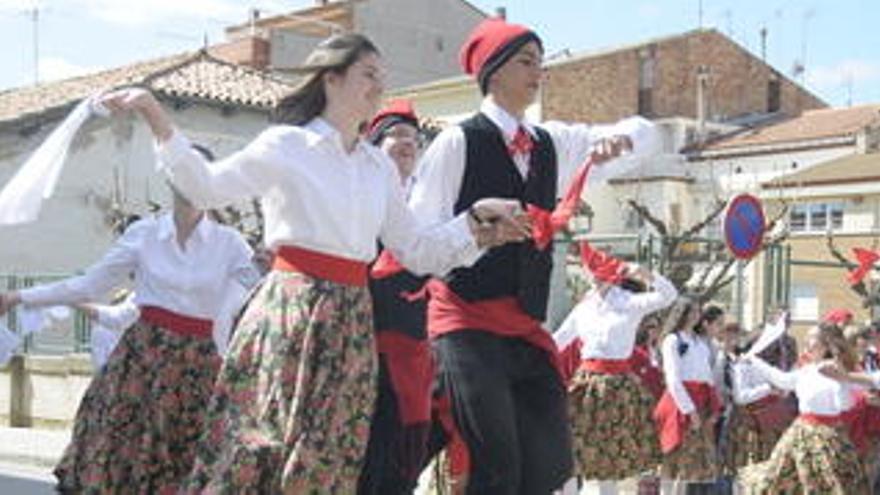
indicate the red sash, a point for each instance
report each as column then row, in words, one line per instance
column 320, row 265
column 672, row 424
column 448, row 313
column 177, row 323
column 411, row 369
column 607, row 366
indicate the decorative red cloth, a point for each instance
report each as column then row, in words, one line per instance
column 447, row 312
column 487, row 39
column 602, row 265
column 544, row 223
column 321, row 265
column 521, row 144
column 672, row 424
column 176, row 322
column 651, row 376
column 411, row 370
column 866, row 259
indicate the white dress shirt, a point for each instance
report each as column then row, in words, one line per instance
column 748, row 384
column 607, row 325
column 695, row 365
column 441, row 169
column 816, row 393
column 191, row 281
column 316, row 195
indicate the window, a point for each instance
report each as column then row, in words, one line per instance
column 804, row 302
column 819, row 217
column 816, row 217
column 797, row 220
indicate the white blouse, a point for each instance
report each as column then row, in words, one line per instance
column 441, row 169
column 317, row 196
column 748, row 384
column 695, row 365
column 607, row 326
column 193, row 281
column 816, row 393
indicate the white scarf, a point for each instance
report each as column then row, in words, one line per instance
column 23, row 196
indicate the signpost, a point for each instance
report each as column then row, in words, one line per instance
column 744, row 227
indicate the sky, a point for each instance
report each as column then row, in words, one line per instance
column 838, row 41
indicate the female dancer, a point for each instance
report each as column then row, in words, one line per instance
column 292, row 405
column 815, row 454
column 138, row 423
column 614, row 437
column 686, row 413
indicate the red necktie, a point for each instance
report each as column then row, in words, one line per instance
column 521, row 144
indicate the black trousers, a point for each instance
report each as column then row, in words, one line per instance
column 510, row 407
column 395, row 452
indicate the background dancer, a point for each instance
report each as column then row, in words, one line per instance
column 138, row 423
column 614, row 435
column 815, row 454
column 686, row 414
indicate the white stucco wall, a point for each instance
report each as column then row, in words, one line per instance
column 108, row 157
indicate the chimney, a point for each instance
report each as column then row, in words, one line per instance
column 501, row 12
column 702, row 84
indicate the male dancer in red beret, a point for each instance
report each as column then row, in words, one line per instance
column 401, row 422
column 497, row 363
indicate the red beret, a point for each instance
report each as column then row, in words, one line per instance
column 395, row 112
column 491, row 44
column 838, row 316
column 604, row 267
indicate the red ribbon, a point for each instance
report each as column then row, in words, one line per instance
column 544, row 223
column 866, row 260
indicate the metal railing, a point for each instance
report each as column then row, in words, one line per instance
column 71, row 335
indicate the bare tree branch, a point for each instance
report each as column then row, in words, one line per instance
column 655, row 222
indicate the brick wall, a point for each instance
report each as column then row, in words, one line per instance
column 605, row 87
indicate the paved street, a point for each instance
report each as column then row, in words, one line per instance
column 18, row 479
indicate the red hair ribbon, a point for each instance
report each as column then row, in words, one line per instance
column 866, row 259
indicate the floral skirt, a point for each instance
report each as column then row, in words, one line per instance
column 809, row 459
column 614, row 435
column 749, row 442
column 696, row 459
column 292, row 404
column 141, row 417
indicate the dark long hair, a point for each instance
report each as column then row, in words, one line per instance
column 708, row 316
column 333, row 55
column 679, row 313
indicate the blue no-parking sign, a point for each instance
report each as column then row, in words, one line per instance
column 744, row 226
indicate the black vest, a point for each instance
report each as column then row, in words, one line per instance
column 518, row 269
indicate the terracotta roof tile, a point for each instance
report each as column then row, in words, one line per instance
column 188, row 75
column 811, row 125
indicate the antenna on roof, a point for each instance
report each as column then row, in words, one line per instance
column 34, row 14
column 700, row 14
